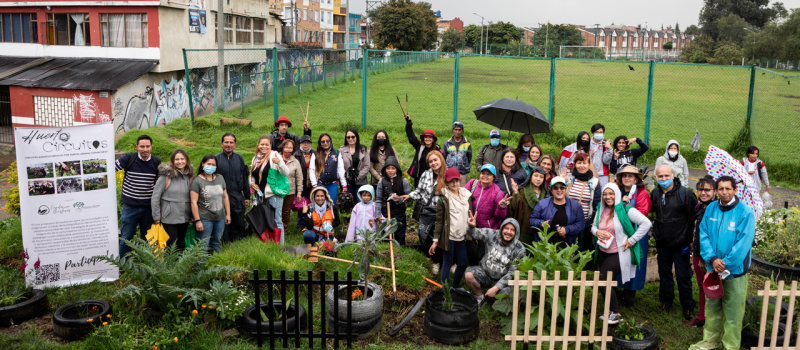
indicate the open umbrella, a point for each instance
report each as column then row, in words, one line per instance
column 513, row 115
column 719, row 163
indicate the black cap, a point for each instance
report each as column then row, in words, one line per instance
column 305, row 138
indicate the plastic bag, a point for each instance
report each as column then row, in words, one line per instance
column 156, row 236
column 191, row 236
column 278, row 182
column 767, row 200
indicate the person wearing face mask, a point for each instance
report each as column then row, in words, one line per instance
column 674, row 206
column 634, row 193
column 726, row 241
column 171, row 202
column 211, row 209
column 601, row 153
column 675, row 160
column 294, row 175
column 623, row 155
column 393, row 188
column 266, row 160
column 706, row 195
column 524, row 146
column 380, row 149
column 458, row 152
column 503, row 252
column 525, row 199
column 491, row 153
column 566, row 160
column 364, row 214
column 422, row 145
column 617, row 228
column 320, row 218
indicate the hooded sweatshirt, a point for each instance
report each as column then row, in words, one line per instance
column 362, row 213
column 500, row 258
column 308, row 217
column 385, row 189
column 641, row 224
column 172, row 205
column 678, row 164
column 486, row 204
column 727, row 233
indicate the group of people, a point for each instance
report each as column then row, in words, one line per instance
column 592, row 195
column 37, row 188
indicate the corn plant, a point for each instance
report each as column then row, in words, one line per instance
column 367, row 247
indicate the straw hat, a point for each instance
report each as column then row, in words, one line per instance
column 628, row 169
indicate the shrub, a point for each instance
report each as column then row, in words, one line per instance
column 698, row 57
column 779, row 240
column 11, row 195
column 10, row 240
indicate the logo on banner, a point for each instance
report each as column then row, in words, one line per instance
column 44, row 210
column 59, row 141
column 78, row 206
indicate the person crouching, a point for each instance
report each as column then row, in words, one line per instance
column 503, row 250
column 320, row 218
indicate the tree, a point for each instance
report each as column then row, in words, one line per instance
column 503, row 32
column 557, row 36
column 692, row 30
column 452, row 40
column 781, row 41
column 405, row 25
column 472, row 34
column 677, row 28
column 728, row 53
column 667, row 45
column 733, row 28
column 754, row 12
column 703, row 47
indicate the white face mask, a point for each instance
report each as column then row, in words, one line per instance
column 672, row 153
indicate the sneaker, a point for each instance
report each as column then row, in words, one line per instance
column 613, row 317
column 688, row 314
column 435, row 268
column 696, row 323
column 481, row 299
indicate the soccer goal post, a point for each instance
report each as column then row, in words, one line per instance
column 590, row 52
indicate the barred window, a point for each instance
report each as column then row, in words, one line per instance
column 229, row 29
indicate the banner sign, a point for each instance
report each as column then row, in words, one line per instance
column 68, row 203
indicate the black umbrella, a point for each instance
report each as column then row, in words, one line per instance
column 513, row 115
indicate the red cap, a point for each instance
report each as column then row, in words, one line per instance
column 712, row 286
column 283, row 119
column 451, row 174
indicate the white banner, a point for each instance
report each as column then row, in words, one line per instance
column 67, row 195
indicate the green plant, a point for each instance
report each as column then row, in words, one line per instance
column 171, row 332
column 447, row 303
column 367, row 247
column 168, row 278
column 628, row 329
column 227, row 301
column 13, row 289
column 11, row 194
column 778, row 241
column 10, row 240
column 551, row 258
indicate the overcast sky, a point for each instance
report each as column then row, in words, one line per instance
column 523, row 13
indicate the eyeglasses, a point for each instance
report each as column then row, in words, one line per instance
column 705, row 190
column 558, row 188
column 350, row 137
column 325, row 141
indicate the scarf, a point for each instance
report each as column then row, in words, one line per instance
column 530, row 194
column 621, row 212
column 320, row 209
column 632, row 196
column 585, row 177
column 258, row 159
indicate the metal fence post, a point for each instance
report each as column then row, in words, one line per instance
column 649, row 109
column 750, row 94
column 241, row 89
column 275, row 65
column 551, row 99
column 264, row 80
column 189, row 86
column 364, row 54
column 455, row 86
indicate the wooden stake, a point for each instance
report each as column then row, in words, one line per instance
column 391, row 250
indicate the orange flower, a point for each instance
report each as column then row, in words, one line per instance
column 194, row 312
column 203, row 306
column 90, row 320
column 105, row 323
column 155, row 347
column 180, row 295
column 176, row 339
column 357, row 293
column 108, row 315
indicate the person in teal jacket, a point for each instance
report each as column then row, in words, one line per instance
column 726, row 238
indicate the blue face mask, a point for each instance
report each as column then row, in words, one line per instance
column 598, row 137
column 209, row 169
column 665, row 183
column 494, row 142
column 526, row 149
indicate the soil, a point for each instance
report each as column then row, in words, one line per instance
column 44, row 326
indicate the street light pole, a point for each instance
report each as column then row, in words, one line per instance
column 480, row 47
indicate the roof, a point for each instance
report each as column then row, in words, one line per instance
column 91, row 74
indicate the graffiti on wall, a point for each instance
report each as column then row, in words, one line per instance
column 144, row 104
column 171, row 100
column 135, row 112
column 85, row 107
column 203, row 90
column 298, row 67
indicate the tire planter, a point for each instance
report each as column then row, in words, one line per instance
column 68, row 325
column 362, row 310
column 33, row 306
column 457, row 326
column 781, row 272
column 249, row 320
column 363, row 329
column 751, row 302
column 750, row 339
column 649, row 342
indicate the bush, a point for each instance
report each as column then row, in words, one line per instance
column 698, row 57
column 779, row 240
column 10, row 240
column 11, row 195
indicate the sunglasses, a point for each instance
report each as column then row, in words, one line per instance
column 350, row 137
column 325, row 141
column 705, row 190
column 558, row 188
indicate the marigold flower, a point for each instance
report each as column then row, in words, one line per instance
column 155, row 347
column 194, row 312
column 90, row 320
column 105, row 323
column 176, row 339
column 203, row 306
column 108, row 315
column 180, row 295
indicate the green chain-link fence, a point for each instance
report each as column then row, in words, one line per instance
column 775, row 120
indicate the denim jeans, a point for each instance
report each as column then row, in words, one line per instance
column 333, row 190
column 457, row 252
column 212, row 230
column 311, row 237
column 130, row 218
column 277, row 203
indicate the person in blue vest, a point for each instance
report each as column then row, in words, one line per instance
column 726, row 240
column 141, row 172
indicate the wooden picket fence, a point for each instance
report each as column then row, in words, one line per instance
column 779, row 294
column 571, row 284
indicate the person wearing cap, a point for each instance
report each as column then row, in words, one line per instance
column 491, row 153
column 450, row 229
column 306, row 156
column 634, row 193
column 726, row 240
column 458, row 152
column 617, row 228
column 422, row 145
column 567, row 157
column 525, row 199
column 563, row 216
column 490, row 206
column 282, row 133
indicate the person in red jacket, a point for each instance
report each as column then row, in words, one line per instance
column 634, row 193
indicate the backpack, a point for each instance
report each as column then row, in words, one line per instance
column 681, row 195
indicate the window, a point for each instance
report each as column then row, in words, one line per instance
column 229, row 29
column 18, row 28
column 258, row 31
column 305, row 14
column 322, row 16
column 123, row 30
column 68, row 29
column 244, row 29
column 329, row 36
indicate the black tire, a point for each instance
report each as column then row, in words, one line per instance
column 34, row 306
column 463, row 314
column 362, row 310
column 649, row 342
column 411, row 313
column 750, row 339
column 70, row 328
column 751, row 302
column 248, row 322
column 364, row 329
column 451, row 336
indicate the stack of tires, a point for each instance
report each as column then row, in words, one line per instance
column 750, row 338
column 366, row 315
column 459, row 325
column 293, row 315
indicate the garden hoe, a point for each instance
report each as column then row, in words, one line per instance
column 391, row 250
